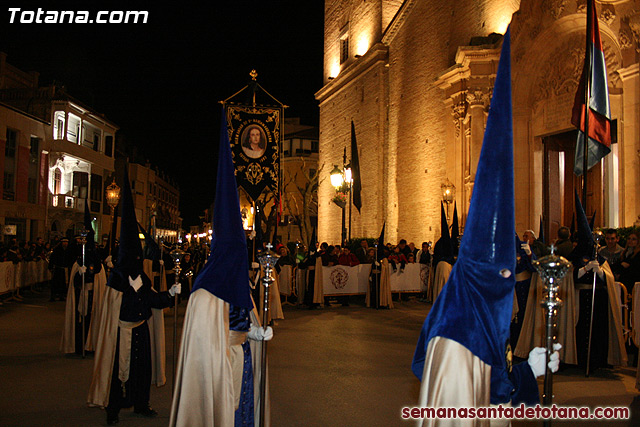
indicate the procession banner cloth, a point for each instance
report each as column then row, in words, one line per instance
column 285, row 280
column 7, row 272
column 345, row 280
column 407, row 281
column 254, row 135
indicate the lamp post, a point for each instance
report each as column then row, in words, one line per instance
column 349, row 180
column 342, row 181
column 448, row 194
column 113, row 198
column 337, row 180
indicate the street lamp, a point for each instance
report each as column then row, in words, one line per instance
column 448, row 194
column 338, row 181
column 113, row 198
column 336, row 178
column 113, row 195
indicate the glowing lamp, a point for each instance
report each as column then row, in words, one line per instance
column 113, row 195
column 336, row 177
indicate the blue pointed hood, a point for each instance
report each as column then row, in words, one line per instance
column 474, row 308
column 226, row 273
column 584, row 249
column 443, row 249
column 129, row 261
column 313, row 242
column 151, row 249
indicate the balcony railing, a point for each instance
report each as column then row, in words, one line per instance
column 64, row 201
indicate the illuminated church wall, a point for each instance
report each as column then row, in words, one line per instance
column 420, row 95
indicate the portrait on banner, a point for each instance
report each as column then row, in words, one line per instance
column 254, row 141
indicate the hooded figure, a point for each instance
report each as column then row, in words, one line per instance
column 463, row 357
column 130, row 352
column 443, row 257
column 524, row 272
column 84, row 301
column 152, row 264
column 607, row 342
column 216, row 373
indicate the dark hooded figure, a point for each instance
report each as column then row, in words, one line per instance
column 62, row 258
column 123, row 363
column 463, row 357
column 607, row 345
column 83, row 297
column 524, row 270
column 443, row 256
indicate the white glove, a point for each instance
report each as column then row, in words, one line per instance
column 135, row 283
column 108, row 259
column 255, row 265
column 82, row 269
column 260, row 334
column 110, row 264
column 593, row 265
column 175, row 289
column 526, row 248
column 252, row 235
column 377, row 264
column 161, row 262
column 537, row 357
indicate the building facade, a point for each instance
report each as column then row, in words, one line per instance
column 55, row 153
column 416, row 77
column 157, row 199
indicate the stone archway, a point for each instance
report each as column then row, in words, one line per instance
column 547, row 66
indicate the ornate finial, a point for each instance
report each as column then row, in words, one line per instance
column 269, row 246
column 553, row 249
column 253, row 74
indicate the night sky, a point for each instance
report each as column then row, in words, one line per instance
column 161, row 81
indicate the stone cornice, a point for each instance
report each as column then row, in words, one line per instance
column 376, row 54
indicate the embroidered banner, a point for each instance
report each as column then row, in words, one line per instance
column 254, row 135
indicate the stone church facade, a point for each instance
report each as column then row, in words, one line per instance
column 416, row 77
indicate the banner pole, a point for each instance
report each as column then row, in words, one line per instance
column 587, row 86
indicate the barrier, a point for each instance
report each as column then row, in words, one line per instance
column 23, row 274
column 344, row 280
column 285, row 280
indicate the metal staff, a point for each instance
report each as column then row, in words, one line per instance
column 176, row 255
column 597, row 235
column 83, row 233
column 552, row 269
column 268, row 261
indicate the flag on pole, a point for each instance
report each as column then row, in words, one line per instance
column 380, row 253
column 594, row 83
column 355, row 170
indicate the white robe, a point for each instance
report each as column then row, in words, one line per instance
column 455, row 377
column 68, row 341
column 204, row 389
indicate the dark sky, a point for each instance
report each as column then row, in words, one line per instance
column 161, row 81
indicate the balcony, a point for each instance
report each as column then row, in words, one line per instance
column 64, row 201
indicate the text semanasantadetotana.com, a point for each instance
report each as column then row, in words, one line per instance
column 519, row 412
